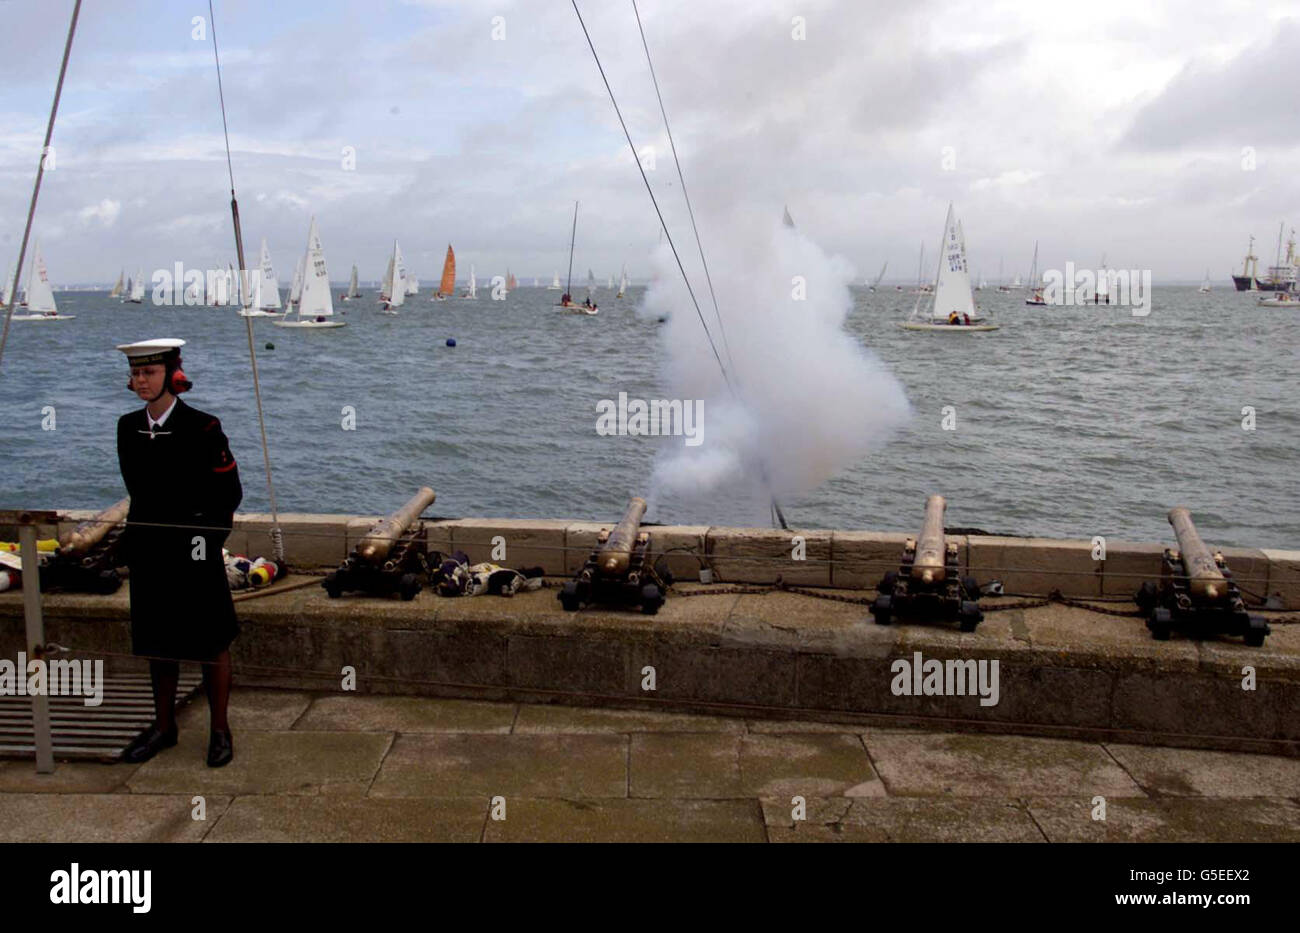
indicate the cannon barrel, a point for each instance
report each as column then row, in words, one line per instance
column 1204, row 578
column 89, row 533
column 374, row 547
column 928, row 565
column 616, row 552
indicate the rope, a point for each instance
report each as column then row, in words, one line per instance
column 277, row 538
column 40, row 173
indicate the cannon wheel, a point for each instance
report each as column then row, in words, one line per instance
column 651, row 599
column 971, row 587
column 331, row 584
column 1160, row 623
column 1146, row 596
column 569, row 596
column 1256, row 629
column 883, row 609
column 888, row 583
column 969, row 615
column 408, row 586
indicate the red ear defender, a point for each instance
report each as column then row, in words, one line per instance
column 179, row 383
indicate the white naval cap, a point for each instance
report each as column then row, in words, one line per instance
column 151, row 351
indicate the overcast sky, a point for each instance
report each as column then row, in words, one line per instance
column 1106, row 127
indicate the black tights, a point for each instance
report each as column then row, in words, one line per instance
column 216, row 683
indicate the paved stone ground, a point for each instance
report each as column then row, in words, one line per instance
column 318, row 767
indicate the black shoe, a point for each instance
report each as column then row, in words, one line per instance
column 148, row 743
column 220, row 749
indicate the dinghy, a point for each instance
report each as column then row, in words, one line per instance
column 622, row 284
column 471, row 293
column 136, row 293
column 447, row 284
column 352, row 294
column 40, row 296
column 265, row 299
column 1280, row 300
column 1037, row 297
column 555, row 283
column 1205, row 286
column 953, row 293
column 397, row 287
column 567, row 304
column 115, row 293
column 316, row 304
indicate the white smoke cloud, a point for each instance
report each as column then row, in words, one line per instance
column 106, row 212
column 809, row 400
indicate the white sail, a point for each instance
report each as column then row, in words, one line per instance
column 352, row 284
column 1103, row 283
column 268, row 297
column 40, row 296
column 610, row 286
column 316, row 299
column 622, row 283
column 9, row 290
column 137, row 287
column 412, row 285
column 1205, row 286
column 386, row 289
column 194, row 292
column 295, row 290
column 1033, row 268
column 555, row 282
column 473, row 283
column 398, row 291
column 953, row 292
column 115, row 293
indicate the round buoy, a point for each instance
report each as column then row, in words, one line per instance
column 269, row 345
column 451, row 341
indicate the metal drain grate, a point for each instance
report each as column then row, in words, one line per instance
column 97, row 733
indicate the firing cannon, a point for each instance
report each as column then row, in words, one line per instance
column 1196, row 593
column 928, row 583
column 391, row 557
column 619, row 571
column 88, row 556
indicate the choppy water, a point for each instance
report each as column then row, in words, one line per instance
column 1069, row 422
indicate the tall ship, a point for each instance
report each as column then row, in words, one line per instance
column 1281, row 276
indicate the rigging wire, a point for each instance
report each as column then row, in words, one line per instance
column 40, row 172
column 778, row 517
column 277, row 538
column 653, row 200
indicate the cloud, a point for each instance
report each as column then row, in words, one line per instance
column 106, row 212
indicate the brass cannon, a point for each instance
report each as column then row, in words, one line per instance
column 391, row 557
column 88, row 556
column 1196, row 593
column 619, row 571
column 928, row 584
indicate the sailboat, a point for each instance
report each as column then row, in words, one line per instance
column 952, row 294
column 412, row 284
column 295, row 289
column 1205, row 286
column 136, row 293
column 40, row 296
column 447, row 286
column 622, row 284
column 566, row 300
column 115, row 293
column 193, row 295
column 1102, row 293
column 386, row 287
column 471, row 293
column 397, row 287
column 9, row 291
column 353, row 293
column 315, row 304
column 1037, row 297
column 555, row 283
column 511, row 282
column 610, row 286
column 873, row 285
column 922, row 288
column 265, row 299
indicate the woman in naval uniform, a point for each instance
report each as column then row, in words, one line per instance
column 184, row 488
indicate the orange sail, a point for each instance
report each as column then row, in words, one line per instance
column 511, row 284
column 448, row 285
